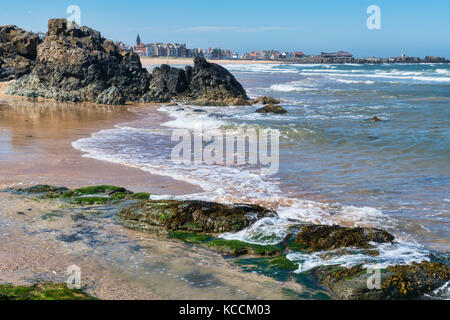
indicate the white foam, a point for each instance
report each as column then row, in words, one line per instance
column 397, row 253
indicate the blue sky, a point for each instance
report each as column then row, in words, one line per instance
column 416, row 28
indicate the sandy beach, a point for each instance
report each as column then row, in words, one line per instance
column 36, row 145
column 40, row 239
column 150, row 61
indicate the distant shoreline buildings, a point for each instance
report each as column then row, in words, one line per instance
column 178, row 50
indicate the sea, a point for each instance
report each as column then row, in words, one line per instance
column 336, row 166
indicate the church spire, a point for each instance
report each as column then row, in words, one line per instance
column 138, row 40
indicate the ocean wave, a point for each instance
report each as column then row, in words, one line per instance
column 292, row 86
column 398, row 252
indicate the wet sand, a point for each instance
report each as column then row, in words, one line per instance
column 36, row 146
column 41, row 239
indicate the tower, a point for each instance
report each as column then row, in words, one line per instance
column 138, row 41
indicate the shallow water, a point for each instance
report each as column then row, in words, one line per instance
column 335, row 166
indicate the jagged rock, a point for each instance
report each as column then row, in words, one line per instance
column 396, row 282
column 17, row 52
column 204, row 84
column 78, row 64
column 197, row 216
column 271, row 108
column 320, row 237
column 265, row 100
column 375, row 119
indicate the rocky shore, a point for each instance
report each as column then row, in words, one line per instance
column 200, row 224
column 77, row 64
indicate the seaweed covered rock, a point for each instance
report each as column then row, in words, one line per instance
column 42, row 291
column 412, row 281
column 396, row 282
column 161, row 216
column 265, row 100
column 204, row 84
column 18, row 51
column 77, row 64
column 271, row 108
column 320, row 237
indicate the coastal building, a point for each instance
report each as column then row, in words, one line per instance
column 298, row 55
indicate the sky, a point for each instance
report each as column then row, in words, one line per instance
column 414, row 28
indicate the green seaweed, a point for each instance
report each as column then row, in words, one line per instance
column 141, row 196
column 91, row 200
column 237, row 248
column 102, row 189
column 190, row 237
column 42, row 292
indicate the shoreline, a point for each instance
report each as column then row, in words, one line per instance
column 37, row 145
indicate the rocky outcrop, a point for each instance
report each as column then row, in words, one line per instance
column 18, row 50
column 204, row 84
column 271, row 108
column 396, row 282
column 265, row 100
column 160, row 216
column 78, row 64
column 320, row 237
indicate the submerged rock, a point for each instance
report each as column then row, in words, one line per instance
column 18, row 50
column 374, row 119
column 320, row 237
column 271, row 108
column 198, row 216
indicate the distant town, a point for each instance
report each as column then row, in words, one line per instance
column 176, row 50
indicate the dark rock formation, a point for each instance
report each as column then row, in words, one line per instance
column 396, row 282
column 374, row 119
column 319, row 237
column 196, row 216
column 78, row 64
column 271, row 108
column 204, row 84
column 17, row 52
column 265, row 100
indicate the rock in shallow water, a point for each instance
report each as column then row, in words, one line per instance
column 319, row 237
column 271, row 108
column 198, row 216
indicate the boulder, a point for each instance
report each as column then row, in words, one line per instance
column 78, row 64
column 271, row 108
column 320, row 237
column 161, row 216
column 265, row 100
column 18, row 50
column 396, row 282
column 204, row 84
